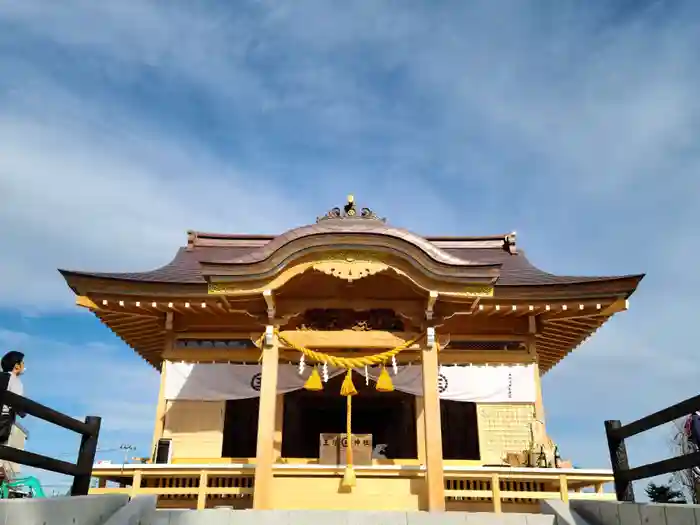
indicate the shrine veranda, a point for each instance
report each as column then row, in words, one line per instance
column 273, row 348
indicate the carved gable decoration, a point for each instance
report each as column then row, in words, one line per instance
column 350, row 211
column 349, row 268
column 346, row 319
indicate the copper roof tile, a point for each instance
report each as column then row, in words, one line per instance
column 185, row 268
column 347, row 227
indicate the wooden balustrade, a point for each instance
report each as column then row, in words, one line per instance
column 522, row 487
column 181, row 485
column 201, row 485
column 88, row 430
column 618, row 433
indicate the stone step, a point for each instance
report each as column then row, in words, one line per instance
column 301, row 517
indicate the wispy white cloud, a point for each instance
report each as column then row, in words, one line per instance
column 76, row 198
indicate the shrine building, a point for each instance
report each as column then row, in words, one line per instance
column 426, row 351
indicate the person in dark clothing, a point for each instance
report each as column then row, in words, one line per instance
column 692, row 428
column 12, row 363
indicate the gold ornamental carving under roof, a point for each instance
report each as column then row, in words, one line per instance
column 478, row 291
column 222, row 288
column 383, row 319
column 349, row 268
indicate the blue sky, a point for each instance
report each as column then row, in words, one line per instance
column 575, row 123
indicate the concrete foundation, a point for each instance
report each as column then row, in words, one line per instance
column 79, row 510
column 118, row 510
column 617, row 513
column 242, row 517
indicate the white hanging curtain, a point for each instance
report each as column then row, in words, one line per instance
column 223, row 381
column 477, row 384
column 470, row 383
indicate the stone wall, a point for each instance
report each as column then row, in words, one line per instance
column 301, row 517
column 79, row 510
column 617, row 513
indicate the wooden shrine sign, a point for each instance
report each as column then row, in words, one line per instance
column 332, row 449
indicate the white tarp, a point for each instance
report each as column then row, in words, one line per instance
column 479, row 384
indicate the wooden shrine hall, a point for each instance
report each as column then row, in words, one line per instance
column 350, row 364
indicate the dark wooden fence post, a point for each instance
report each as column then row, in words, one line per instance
column 4, row 382
column 86, row 457
column 618, row 458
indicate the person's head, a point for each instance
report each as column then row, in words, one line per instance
column 13, row 362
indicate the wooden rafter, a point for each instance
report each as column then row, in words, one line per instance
column 561, row 325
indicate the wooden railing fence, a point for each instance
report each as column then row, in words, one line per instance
column 618, row 433
column 88, row 429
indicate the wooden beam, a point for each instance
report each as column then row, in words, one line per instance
column 475, row 305
column 496, row 493
column 572, row 333
column 539, row 402
column 85, row 302
column 493, row 310
column 532, row 349
column 357, row 339
column 582, row 324
column 225, row 307
column 568, row 339
column 161, row 404
column 202, row 492
column 111, row 316
column 532, row 325
column 352, row 339
column 279, row 427
column 139, row 331
column 618, row 306
column 505, row 336
column 147, row 338
column 270, row 302
column 252, row 355
column 511, row 310
column 265, row 453
column 550, row 353
column 132, row 322
column 435, row 479
column 430, row 305
column 580, row 311
column 420, row 430
column 586, row 309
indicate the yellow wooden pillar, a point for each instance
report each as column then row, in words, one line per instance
column 539, row 403
column 435, row 478
column 160, row 411
column 532, row 350
column 279, row 423
column 420, row 430
column 265, row 452
column 161, row 406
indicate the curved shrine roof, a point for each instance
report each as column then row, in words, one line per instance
column 496, row 252
column 494, row 259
